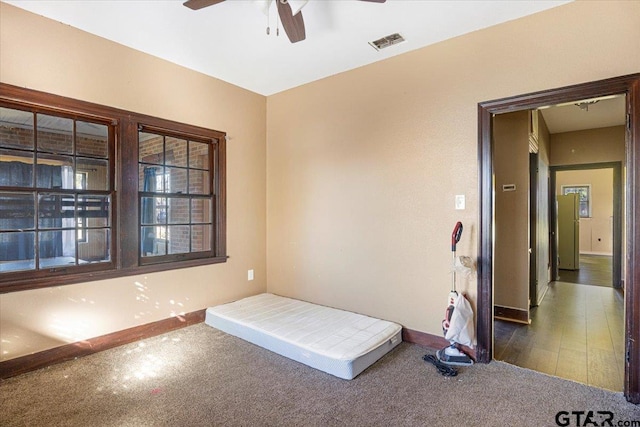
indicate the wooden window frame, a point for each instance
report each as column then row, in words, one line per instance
column 167, row 129
column 125, row 259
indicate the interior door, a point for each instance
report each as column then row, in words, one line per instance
column 568, row 232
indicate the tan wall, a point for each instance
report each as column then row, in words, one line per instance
column 363, row 167
column 596, row 233
column 591, row 146
column 56, row 58
column 511, row 250
column 588, row 146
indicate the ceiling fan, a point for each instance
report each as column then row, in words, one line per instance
column 289, row 11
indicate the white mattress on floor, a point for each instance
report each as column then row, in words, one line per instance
column 335, row 341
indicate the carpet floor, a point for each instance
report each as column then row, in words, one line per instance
column 199, row 376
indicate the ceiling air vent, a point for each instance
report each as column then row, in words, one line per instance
column 387, row 41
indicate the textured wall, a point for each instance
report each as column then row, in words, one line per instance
column 596, row 233
column 363, row 167
column 79, row 65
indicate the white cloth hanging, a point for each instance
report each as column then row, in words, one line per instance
column 461, row 325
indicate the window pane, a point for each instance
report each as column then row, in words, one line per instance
column 96, row 248
column 584, row 209
column 200, row 238
column 179, row 239
column 16, row 128
column 54, row 172
column 177, row 179
column 151, row 148
column 198, row 182
column 17, row 251
column 16, row 168
column 94, row 211
column 175, row 151
column 50, row 246
column 198, row 155
column 17, row 211
column 178, row 211
column 97, row 173
column 153, row 210
column 200, row 210
column 54, row 134
column 153, row 241
column 56, row 211
column 152, row 178
column 92, row 140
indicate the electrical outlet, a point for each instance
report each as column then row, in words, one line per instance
column 250, row 275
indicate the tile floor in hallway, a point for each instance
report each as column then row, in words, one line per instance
column 577, row 332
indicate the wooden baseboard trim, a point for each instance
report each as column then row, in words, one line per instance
column 511, row 314
column 20, row 365
column 433, row 342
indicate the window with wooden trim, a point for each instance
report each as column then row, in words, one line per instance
column 175, row 183
column 43, row 210
column 89, row 192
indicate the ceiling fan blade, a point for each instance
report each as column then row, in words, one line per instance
column 293, row 24
column 199, row 4
column 297, row 5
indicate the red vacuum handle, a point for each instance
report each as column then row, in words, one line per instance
column 455, row 236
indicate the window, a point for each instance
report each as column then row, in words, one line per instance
column 75, row 176
column 176, row 196
column 81, row 184
column 585, row 197
column 42, row 206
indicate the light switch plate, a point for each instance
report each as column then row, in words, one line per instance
column 460, row 202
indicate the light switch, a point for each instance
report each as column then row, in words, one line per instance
column 250, row 275
column 460, row 202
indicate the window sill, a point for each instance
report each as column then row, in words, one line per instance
column 82, row 277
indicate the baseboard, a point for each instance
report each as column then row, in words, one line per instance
column 511, row 314
column 433, row 342
column 31, row 362
column 596, row 253
column 542, row 294
column 20, row 365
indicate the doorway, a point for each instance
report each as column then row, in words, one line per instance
column 595, row 226
column 576, row 328
column 628, row 86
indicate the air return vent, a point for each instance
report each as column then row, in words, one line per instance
column 387, row 41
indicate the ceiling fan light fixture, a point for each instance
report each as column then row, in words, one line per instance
column 387, row 41
column 585, row 104
column 263, row 5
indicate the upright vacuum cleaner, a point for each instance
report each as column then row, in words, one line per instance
column 457, row 325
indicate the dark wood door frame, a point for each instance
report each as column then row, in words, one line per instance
column 533, row 230
column 616, row 260
column 627, row 85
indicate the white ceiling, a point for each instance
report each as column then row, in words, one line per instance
column 229, row 41
column 608, row 111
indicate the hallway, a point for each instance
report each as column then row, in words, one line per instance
column 594, row 270
column 577, row 333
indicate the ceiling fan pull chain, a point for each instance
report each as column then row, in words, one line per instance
column 268, row 27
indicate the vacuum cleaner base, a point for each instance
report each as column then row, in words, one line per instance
column 452, row 356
